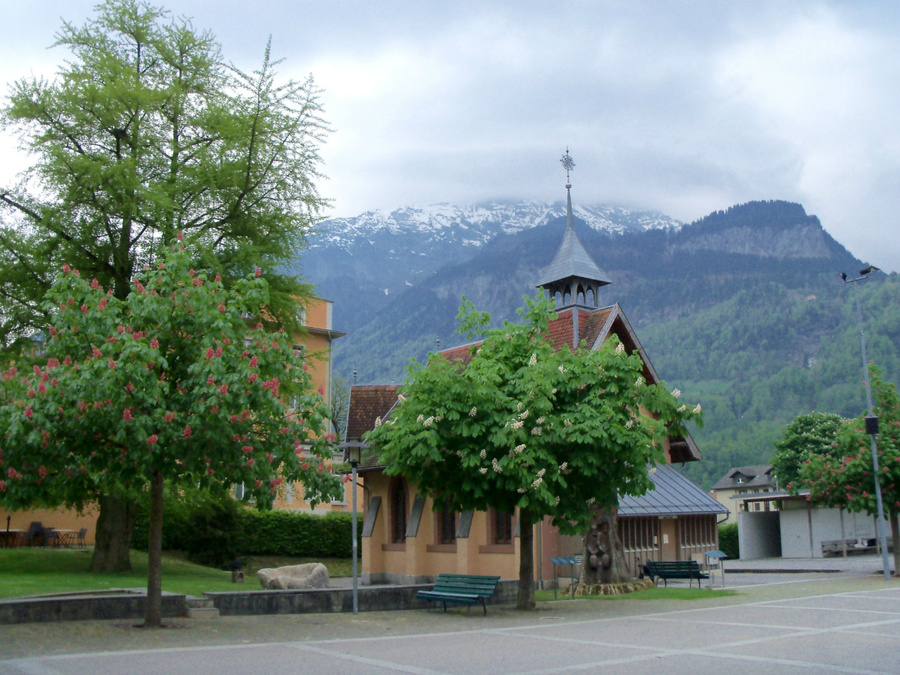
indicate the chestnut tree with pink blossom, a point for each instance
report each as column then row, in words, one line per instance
column 845, row 477
column 181, row 383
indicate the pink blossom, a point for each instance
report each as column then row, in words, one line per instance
column 152, row 439
column 52, row 331
column 66, row 268
column 210, row 472
column 120, row 329
column 221, row 307
column 84, row 309
column 210, row 353
column 191, row 272
column 30, row 393
column 197, row 282
column 218, row 277
column 28, row 412
column 168, row 417
column 214, row 409
column 112, row 364
column 42, row 388
column 154, row 344
column 187, row 433
column 102, row 304
column 126, row 415
column 253, row 362
column 247, row 448
column 257, row 272
column 96, row 353
column 179, row 236
column 258, row 484
column 111, row 339
column 252, row 378
column 223, row 389
column 94, row 283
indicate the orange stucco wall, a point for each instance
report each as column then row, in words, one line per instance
column 58, row 519
column 419, row 558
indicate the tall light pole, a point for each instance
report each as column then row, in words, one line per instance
column 871, row 419
column 353, row 452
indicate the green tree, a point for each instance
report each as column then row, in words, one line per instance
column 814, row 433
column 845, row 479
column 524, row 425
column 169, row 384
column 144, row 132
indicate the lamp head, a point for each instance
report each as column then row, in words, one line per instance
column 844, row 276
column 868, row 270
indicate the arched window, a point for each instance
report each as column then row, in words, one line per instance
column 444, row 525
column 398, row 501
column 501, row 527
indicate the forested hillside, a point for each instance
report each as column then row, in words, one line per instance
column 743, row 310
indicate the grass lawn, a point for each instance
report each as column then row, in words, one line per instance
column 37, row 571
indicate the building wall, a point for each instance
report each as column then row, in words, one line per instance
column 803, row 529
column 420, row 558
column 58, row 519
column 758, row 535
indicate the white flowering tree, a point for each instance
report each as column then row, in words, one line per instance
column 524, row 425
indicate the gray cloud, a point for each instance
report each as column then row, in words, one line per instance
column 682, row 107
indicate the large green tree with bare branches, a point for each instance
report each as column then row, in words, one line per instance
column 144, row 132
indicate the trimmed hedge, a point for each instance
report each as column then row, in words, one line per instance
column 728, row 540
column 215, row 530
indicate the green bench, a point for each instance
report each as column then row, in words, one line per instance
column 464, row 589
column 675, row 569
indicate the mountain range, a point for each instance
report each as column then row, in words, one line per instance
column 743, row 310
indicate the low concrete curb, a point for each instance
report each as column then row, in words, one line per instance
column 122, row 603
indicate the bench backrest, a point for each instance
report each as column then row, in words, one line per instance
column 471, row 584
column 665, row 566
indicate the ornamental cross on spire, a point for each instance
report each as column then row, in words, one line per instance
column 568, row 165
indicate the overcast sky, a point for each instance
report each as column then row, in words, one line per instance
column 681, row 107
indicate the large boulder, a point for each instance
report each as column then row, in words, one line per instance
column 309, row 575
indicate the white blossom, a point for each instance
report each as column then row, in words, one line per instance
column 523, row 415
column 420, row 419
column 682, row 408
column 483, row 470
column 557, row 501
column 563, row 466
column 520, row 406
column 541, row 472
column 553, row 391
column 473, row 411
column 629, row 424
column 591, row 501
column 533, row 360
column 428, row 422
column 483, row 454
column 676, row 393
column 537, row 483
column 567, row 423
column 536, row 431
column 620, row 348
column 639, row 382
column 518, row 425
column 698, row 409
column 562, row 369
column 460, row 454
column 521, row 491
column 377, row 422
column 400, row 398
column 520, row 448
column 496, row 465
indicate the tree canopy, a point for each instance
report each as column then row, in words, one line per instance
column 524, row 425
column 813, row 433
column 170, row 384
column 147, row 131
column 845, row 478
column 144, row 132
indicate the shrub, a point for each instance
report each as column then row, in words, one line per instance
column 214, row 529
column 728, row 540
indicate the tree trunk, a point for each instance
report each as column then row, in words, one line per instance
column 525, row 594
column 153, row 618
column 895, row 539
column 115, row 525
column 603, row 560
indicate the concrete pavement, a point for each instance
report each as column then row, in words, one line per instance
column 846, row 621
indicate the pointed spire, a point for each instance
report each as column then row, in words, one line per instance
column 573, row 273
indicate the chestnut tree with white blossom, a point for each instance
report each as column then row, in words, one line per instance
column 524, row 426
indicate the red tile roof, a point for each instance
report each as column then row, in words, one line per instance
column 367, row 403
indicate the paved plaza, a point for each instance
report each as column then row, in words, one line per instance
column 844, row 620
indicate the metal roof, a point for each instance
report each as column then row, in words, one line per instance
column 673, row 495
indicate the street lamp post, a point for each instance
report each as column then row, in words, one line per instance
column 871, row 419
column 353, row 452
